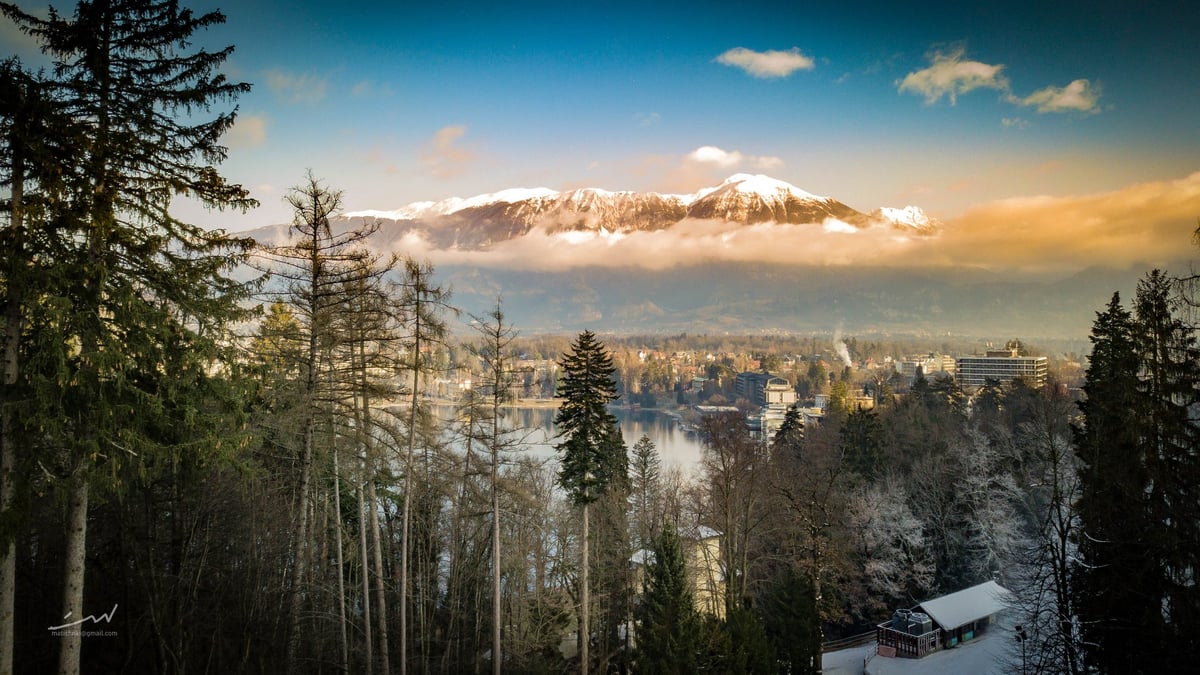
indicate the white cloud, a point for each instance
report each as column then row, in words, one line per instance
column 713, row 156
column 1014, row 123
column 297, row 88
column 442, row 158
column 1079, row 96
column 647, row 119
column 248, row 131
column 949, row 75
column 710, row 154
column 771, row 63
column 768, row 162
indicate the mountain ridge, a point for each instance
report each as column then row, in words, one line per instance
column 483, row 221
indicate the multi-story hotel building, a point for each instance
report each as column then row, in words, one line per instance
column 1003, row 366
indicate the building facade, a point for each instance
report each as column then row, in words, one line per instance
column 1003, row 366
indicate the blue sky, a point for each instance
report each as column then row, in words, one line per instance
column 949, row 106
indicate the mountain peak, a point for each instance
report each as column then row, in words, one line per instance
column 757, row 183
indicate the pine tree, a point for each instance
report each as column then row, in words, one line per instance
column 1140, row 524
column 592, row 451
column 29, row 144
column 493, row 352
column 645, row 473
column 790, row 435
column 134, row 281
column 1120, row 621
column 791, row 620
column 860, row 444
column 668, row 625
column 1170, row 390
column 423, row 304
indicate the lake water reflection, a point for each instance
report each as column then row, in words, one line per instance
column 675, row 446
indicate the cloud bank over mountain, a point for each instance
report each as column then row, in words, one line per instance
column 755, row 253
column 1146, row 224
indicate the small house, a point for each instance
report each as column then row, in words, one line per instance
column 942, row 622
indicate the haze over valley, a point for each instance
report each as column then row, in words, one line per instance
column 753, row 253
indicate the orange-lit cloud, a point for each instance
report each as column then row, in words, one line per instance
column 771, row 63
column 949, row 75
column 1078, row 96
column 1149, row 223
column 442, row 157
column 248, row 131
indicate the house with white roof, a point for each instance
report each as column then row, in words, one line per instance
column 942, row 623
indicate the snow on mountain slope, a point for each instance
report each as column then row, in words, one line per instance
column 483, row 221
column 910, row 218
column 753, row 199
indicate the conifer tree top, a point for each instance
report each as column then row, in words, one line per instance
column 592, row 450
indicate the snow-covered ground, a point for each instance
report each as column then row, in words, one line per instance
column 992, row 653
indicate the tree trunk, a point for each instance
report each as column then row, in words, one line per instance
column 300, row 555
column 380, row 600
column 341, row 582
column 496, row 655
column 408, row 488
column 76, row 557
column 584, row 599
column 8, row 453
column 369, row 651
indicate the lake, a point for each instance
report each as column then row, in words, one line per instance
column 675, row 446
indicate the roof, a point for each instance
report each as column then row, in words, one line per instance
column 967, row 605
column 642, row 556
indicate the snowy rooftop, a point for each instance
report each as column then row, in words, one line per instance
column 642, row 556
column 967, row 605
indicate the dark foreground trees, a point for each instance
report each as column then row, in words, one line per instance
column 1139, row 548
column 130, row 301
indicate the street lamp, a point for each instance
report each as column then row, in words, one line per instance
column 1021, row 638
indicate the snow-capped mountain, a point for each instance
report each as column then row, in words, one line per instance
column 483, row 221
column 749, row 199
column 908, row 218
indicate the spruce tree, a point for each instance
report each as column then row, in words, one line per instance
column 790, row 435
column 1170, row 392
column 31, row 144
column 1119, row 620
column 131, row 282
column 644, row 491
column 668, row 625
column 592, row 451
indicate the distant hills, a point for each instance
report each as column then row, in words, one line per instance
column 740, row 298
column 716, row 295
